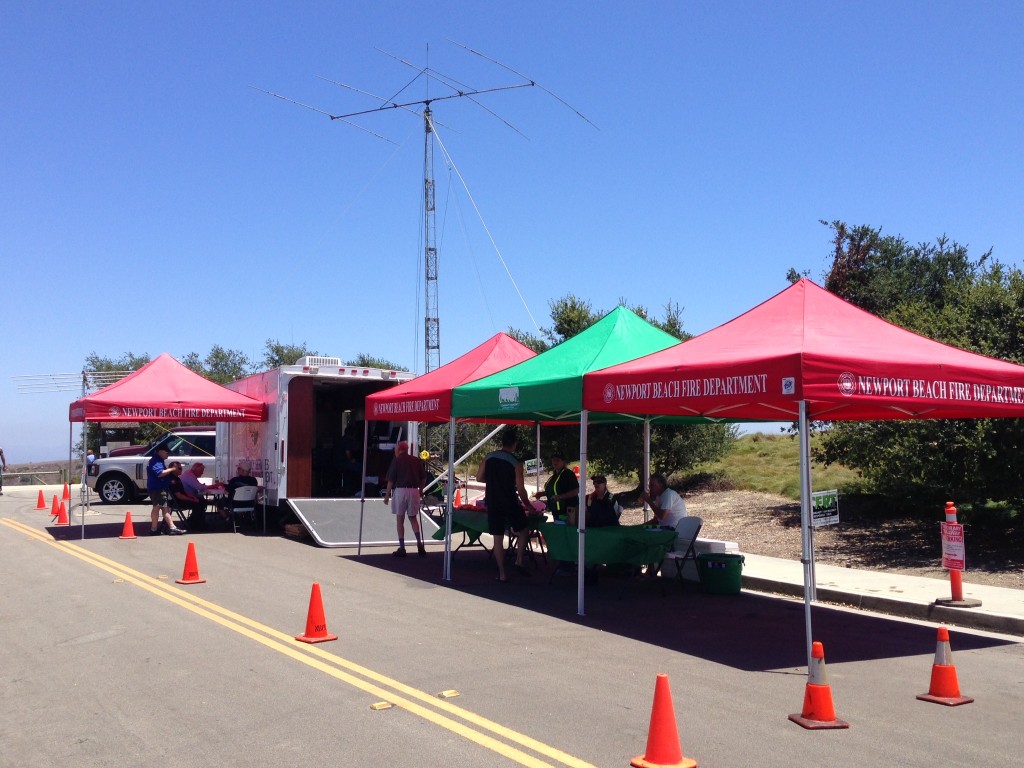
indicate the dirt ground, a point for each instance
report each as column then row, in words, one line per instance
column 764, row 524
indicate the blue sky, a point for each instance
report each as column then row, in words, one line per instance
column 152, row 201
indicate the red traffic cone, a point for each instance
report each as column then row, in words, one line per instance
column 818, row 712
column 41, row 503
column 316, row 624
column 66, row 495
column 663, row 736
column 944, row 688
column 191, row 573
column 62, row 515
column 55, row 507
column 458, row 499
column 128, row 532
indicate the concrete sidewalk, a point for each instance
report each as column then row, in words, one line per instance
column 1001, row 609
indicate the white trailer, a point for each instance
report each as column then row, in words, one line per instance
column 307, row 455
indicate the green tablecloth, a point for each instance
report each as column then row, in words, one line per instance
column 468, row 521
column 629, row 544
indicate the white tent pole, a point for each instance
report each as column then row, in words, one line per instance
column 447, row 571
column 581, row 518
column 362, row 486
column 807, row 556
column 647, row 459
column 536, row 480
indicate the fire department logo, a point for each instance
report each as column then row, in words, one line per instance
column 114, row 411
column 847, row 384
column 609, row 393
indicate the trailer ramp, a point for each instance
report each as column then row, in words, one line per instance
column 335, row 522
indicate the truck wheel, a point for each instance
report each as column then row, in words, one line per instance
column 115, row 489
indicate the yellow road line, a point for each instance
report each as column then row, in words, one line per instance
column 326, row 662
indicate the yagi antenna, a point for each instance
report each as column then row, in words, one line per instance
column 431, row 335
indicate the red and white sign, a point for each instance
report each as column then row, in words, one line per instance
column 952, row 546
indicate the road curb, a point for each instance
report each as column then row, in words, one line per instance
column 960, row 617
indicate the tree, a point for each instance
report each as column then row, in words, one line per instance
column 618, row 448
column 220, row 365
column 363, row 360
column 938, row 290
column 277, row 354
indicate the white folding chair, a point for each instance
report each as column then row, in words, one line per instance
column 683, row 550
column 244, row 502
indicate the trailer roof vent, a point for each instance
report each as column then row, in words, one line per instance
column 310, row 361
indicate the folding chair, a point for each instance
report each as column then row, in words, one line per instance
column 683, row 550
column 244, row 502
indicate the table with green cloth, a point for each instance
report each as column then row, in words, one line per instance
column 613, row 544
column 471, row 522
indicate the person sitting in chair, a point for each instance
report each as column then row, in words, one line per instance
column 602, row 507
column 197, row 490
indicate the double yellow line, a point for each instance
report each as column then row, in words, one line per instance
column 440, row 712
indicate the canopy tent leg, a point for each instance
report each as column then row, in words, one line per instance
column 581, row 519
column 448, row 502
column 362, row 487
column 807, row 544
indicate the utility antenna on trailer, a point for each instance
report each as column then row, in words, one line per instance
column 431, row 319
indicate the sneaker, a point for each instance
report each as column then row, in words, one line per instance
column 400, row 552
column 422, row 550
column 175, row 532
column 154, row 531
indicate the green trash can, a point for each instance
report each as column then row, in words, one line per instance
column 720, row 574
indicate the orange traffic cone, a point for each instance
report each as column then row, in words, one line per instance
column 55, row 507
column 458, row 499
column 62, row 515
column 66, row 495
column 128, row 532
column 945, row 688
column 41, row 503
column 663, row 736
column 316, row 624
column 818, row 710
column 191, row 573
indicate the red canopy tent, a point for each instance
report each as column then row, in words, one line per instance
column 429, row 398
column 165, row 390
column 807, row 345
column 806, row 354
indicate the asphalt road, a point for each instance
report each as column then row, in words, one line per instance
column 107, row 661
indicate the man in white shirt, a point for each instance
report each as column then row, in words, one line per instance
column 667, row 506
column 196, row 489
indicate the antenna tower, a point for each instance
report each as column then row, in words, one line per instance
column 431, row 320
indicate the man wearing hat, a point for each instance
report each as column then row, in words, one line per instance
column 158, row 484
column 602, row 507
column 406, row 479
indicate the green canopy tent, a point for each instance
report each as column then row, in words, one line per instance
column 548, row 388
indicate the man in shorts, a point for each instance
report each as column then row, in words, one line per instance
column 406, row 479
column 158, row 484
column 501, row 472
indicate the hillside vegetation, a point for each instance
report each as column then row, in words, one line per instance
column 768, row 464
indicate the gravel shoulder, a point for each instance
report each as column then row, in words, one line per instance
column 765, row 524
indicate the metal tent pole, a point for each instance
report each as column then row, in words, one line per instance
column 807, row 546
column 581, row 519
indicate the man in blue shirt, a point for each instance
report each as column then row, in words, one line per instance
column 158, row 484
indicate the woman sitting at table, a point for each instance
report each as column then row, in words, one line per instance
column 603, row 509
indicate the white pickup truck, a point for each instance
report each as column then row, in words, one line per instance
column 123, row 478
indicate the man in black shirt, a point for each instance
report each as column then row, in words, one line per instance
column 502, row 474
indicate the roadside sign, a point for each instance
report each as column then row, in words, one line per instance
column 953, row 553
column 824, row 508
